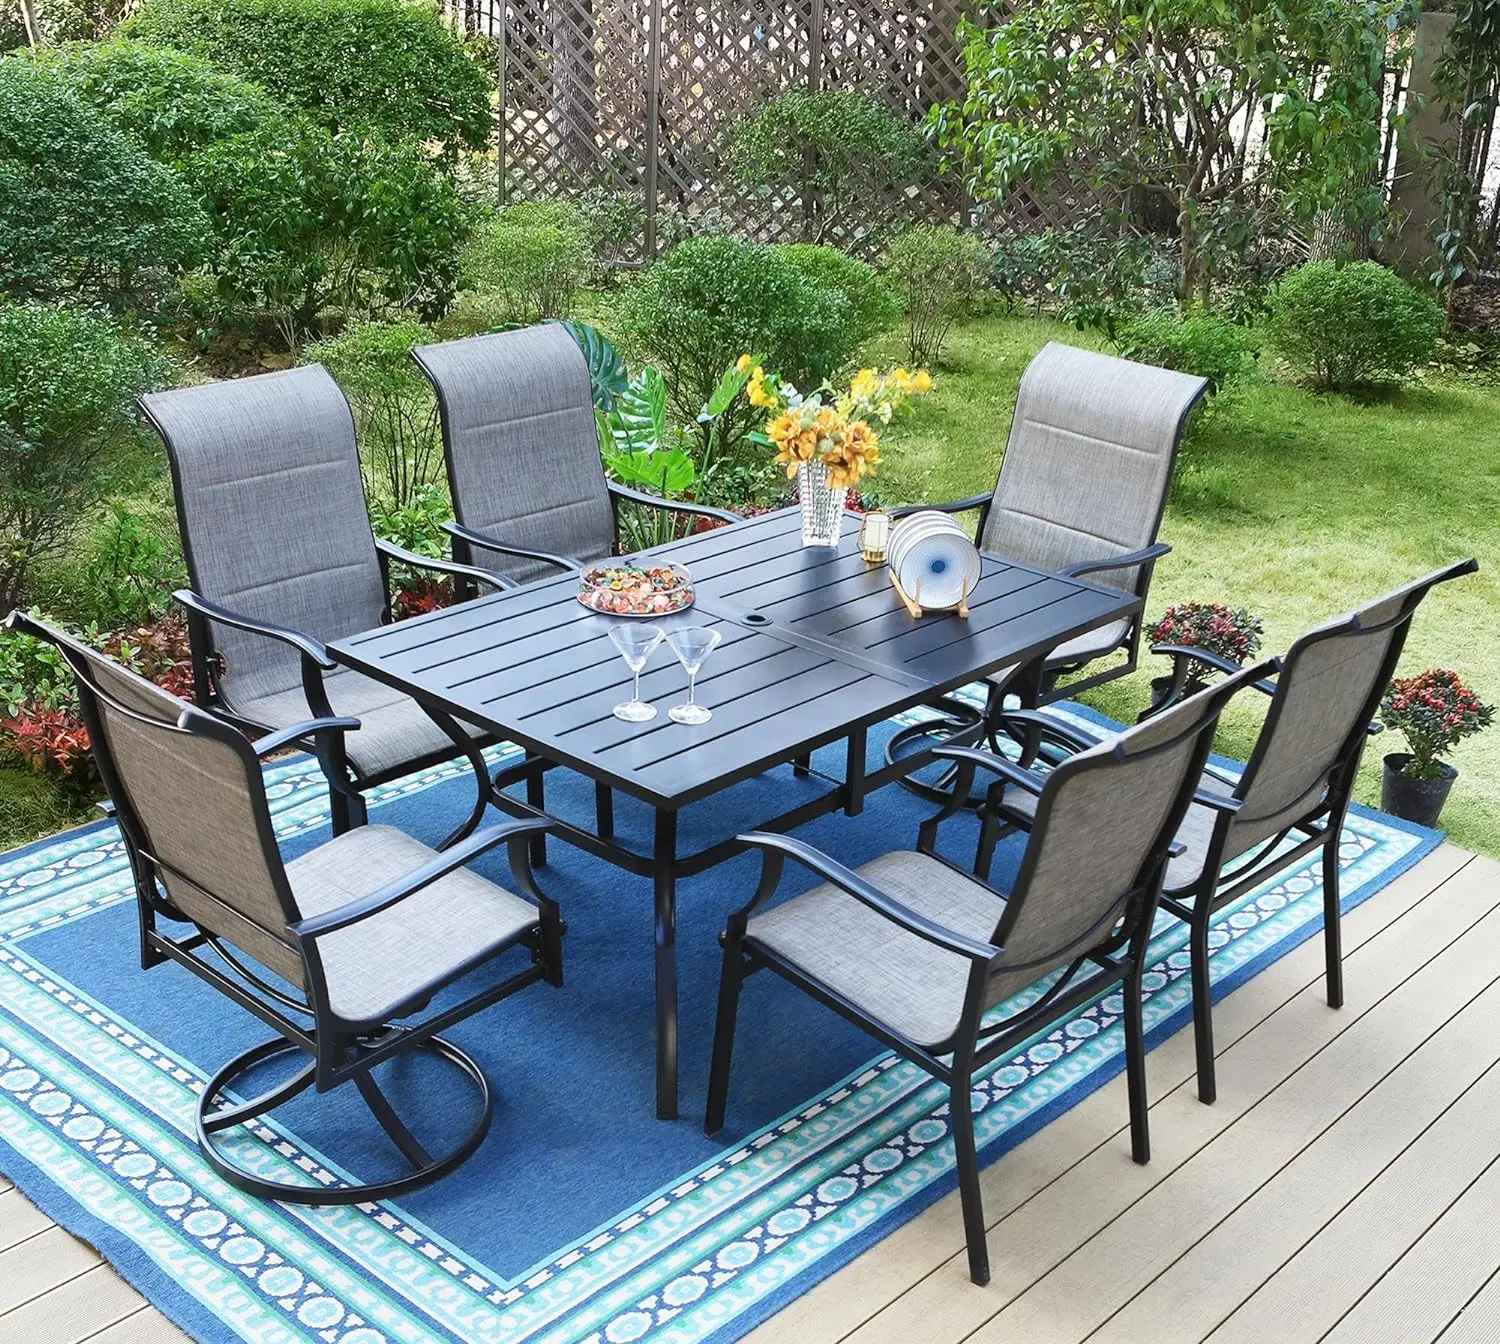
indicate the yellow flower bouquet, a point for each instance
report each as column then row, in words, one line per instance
column 827, row 441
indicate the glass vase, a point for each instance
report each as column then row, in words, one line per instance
column 822, row 506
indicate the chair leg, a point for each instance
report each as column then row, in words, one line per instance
column 1203, row 1004
column 961, row 1113
column 1333, row 935
column 989, row 837
column 1135, row 1069
column 536, row 795
column 730, row 980
column 346, row 811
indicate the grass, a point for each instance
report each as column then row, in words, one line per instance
column 1294, row 505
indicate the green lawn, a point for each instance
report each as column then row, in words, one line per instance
column 1296, row 506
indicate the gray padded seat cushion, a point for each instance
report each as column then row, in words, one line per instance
column 912, row 986
column 376, row 967
column 393, row 729
column 522, row 445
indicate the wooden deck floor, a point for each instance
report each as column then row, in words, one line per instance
column 1345, row 1187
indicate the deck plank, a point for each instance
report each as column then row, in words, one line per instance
column 1037, row 1223
column 19, row 1219
column 50, row 1258
column 145, row 1326
column 1080, row 1293
column 1479, row 1321
column 71, row 1312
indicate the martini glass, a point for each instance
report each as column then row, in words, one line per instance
column 692, row 644
column 635, row 643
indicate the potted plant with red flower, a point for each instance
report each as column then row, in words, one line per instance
column 1433, row 711
column 1201, row 638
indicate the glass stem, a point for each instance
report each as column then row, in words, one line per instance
column 692, row 688
column 635, row 694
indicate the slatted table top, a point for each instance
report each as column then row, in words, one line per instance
column 816, row 644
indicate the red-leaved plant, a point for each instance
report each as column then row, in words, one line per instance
column 1211, row 626
column 1433, row 711
column 52, row 739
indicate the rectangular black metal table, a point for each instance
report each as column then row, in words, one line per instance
column 816, row 648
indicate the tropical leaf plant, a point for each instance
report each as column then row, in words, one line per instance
column 607, row 371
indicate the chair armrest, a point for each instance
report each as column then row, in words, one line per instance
column 672, row 505
column 306, row 645
column 389, row 550
column 777, row 847
column 296, row 732
column 1217, row 661
column 953, row 506
column 515, row 832
column 1129, row 560
column 1066, row 734
column 1217, row 801
column 489, row 543
column 988, row 760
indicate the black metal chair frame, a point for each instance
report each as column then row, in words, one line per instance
column 347, row 803
column 1117, row 958
column 342, row 1051
column 1223, row 882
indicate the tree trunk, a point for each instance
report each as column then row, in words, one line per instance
column 30, row 23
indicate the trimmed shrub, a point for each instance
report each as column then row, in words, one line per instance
column 1343, row 327
column 937, row 270
column 394, row 405
column 872, row 305
column 710, row 300
column 388, row 66
column 840, row 150
column 308, row 221
column 67, row 381
column 532, row 256
column 1195, row 342
column 85, row 213
column 169, row 101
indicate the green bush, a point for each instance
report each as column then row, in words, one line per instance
column 842, row 151
column 66, row 384
column 169, row 101
column 307, row 222
column 1194, row 342
column 533, row 257
column 394, row 405
column 872, row 305
column 710, row 300
column 937, row 270
column 85, row 214
column 388, row 66
column 1342, row 327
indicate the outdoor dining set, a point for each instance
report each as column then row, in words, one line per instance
column 785, row 651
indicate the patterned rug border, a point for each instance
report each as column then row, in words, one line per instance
column 750, row 1292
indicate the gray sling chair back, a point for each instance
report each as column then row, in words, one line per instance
column 1290, row 800
column 336, row 950
column 530, row 496
column 1081, row 491
column 918, row 952
column 281, row 560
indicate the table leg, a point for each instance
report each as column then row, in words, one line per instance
column 854, row 774
column 664, row 857
column 536, row 795
column 802, row 765
column 604, row 811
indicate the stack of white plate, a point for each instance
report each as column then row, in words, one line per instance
column 933, row 559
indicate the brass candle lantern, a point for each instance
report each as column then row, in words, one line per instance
column 874, row 535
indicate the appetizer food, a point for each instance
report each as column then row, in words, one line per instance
column 630, row 590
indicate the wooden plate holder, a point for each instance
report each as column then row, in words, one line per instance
column 913, row 603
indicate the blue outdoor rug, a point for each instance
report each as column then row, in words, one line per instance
column 582, row 1217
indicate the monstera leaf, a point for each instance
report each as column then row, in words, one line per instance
column 606, row 368
column 666, row 473
column 638, row 420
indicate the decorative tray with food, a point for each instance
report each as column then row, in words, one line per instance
column 636, row 590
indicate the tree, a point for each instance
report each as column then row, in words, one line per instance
column 388, row 66
column 66, row 386
column 1161, row 100
column 85, row 213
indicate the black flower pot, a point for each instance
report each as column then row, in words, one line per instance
column 1418, row 800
